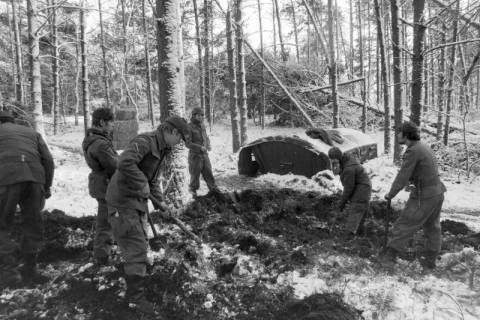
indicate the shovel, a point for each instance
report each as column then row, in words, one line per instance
column 177, row 221
column 387, row 219
column 156, row 243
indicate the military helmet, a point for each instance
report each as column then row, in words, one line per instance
column 197, row 110
column 180, row 124
column 335, row 153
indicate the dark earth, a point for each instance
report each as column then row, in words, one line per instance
column 281, row 229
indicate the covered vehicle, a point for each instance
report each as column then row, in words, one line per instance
column 303, row 155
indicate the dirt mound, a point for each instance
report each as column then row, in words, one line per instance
column 454, row 227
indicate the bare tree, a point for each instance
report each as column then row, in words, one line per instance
column 34, row 29
column 381, row 47
column 206, row 44
column 56, row 90
column 18, row 56
column 241, row 83
column 295, row 28
column 104, row 56
column 417, row 60
column 83, row 50
column 441, row 83
column 148, row 65
column 262, row 75
column 232, row 85
column 280, row 35
column 397, row 77
column 200, row 62
column 361, row 68
column 333, row 64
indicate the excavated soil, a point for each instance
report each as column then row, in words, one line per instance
column 250, row 242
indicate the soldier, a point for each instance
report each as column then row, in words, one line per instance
column 127, row 195
column 198, row 160
column 357, row 189
column 101, row 157
column 422, row 210
column 26, row 176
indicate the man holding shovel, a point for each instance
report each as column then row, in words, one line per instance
column 134, row 182
column 422, row 210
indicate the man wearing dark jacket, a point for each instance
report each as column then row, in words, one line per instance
column 135, row 180
column 198, row 160
column 357, row 189
column 101, row 157
column 422, row 210
column 26, row 175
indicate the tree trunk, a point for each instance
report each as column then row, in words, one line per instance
column 318, row 30
column 104, row 56
column 79, row 68
column 148, row 65
column 124, row 73
column 363, row 91
column 295, row 30
column 35, row 74
column 262, row 75
column 232, row 85
column 417, row 60
column 397, row 78
column 441, row 83
column 308, row 40
column 274, row 29
column 18, row 56
column 206, row 45
column 280, row 36
column 200, row 60
column 12, row 51
column 451, row 72
column 352, row 47
column 333, row 64
column 241, row 83
column 171, row 88
column 384, row 77
column 56, row 93
column 83, row 50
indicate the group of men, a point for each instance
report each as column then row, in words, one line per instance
column 123, row 184
column 418, row 174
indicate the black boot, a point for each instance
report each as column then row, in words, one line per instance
column 135, row 295
column 9, row 274
column 29, row 270
column 428, row 259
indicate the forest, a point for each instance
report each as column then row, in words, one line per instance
column 257, row 68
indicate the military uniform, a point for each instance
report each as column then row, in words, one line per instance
column 101, row 157
column 127, row 197
column 198, row 160
column 26, row 175
column 357, row 190
column 423, row 207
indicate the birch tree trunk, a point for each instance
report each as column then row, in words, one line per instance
column 352, row 47
column 397, row 78
column 363, row 92
column 171, row 88
column 274, row 29
column 200, row 60
column 386, row 99
column 35, row 75
column 262, row 75
column 241, row 83
column 83, row 50
column 78, row 71
column 451, row 73
column 104, row 56
column 11, row 40
column 417, row 60
column 18, row 56
column 232, row 85
column 148, row 65
column 333, row 64
column 56, row 84
column 295, row 29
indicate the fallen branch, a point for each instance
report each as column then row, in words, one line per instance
column 455, row 13
column 329, row 86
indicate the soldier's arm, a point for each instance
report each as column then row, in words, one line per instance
column 192, row 146
column 107, row 156
column 128, row 166
column 348, row 182
column 47, row 161
column 403, row 176
column 207, row 142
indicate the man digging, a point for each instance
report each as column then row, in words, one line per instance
column 101, row 157
column 422, row 210
column 357, row 190
column 26, row 176
column 135, row 180
column 198, row 160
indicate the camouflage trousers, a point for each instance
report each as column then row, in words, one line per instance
column 102, row 244
column 30, row 197
column 128, row 227
column 419, row 214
